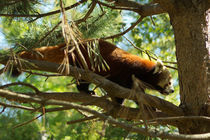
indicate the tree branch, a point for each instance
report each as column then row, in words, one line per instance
column 110, row 87
column 127, row 30
column 45, row 14
column 23, row 84
column 27, row 122
column 143, row 10
column 128, row 127
column 167, row 5
column 93, row 5
column 114, row 110
column 17, row 106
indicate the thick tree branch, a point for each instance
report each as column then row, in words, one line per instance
column 110, row 87
column 167, row 5
column 131, row 128
column 114, row 110
column 143, row 10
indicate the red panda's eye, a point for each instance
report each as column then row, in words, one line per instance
column 169, row 83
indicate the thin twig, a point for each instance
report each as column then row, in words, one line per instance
column 82, row 120
column 4, row 107
column 45, row 14
column 150, row 56
column 27, row 122
column 23, row 84
column 93, row 5
column 41, row 74
column 17, row 106
column 48, row 33
column 117, row 8
column 124, row 32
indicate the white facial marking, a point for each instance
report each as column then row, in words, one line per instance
column 159, row 67
column 169, row 88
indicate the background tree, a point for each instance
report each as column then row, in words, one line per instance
column 29, row 24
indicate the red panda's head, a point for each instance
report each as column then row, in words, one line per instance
column 165, row 81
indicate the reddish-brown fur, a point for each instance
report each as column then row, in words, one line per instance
column 121, row 63
column 115, row 57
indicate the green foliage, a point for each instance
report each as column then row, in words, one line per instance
column 30, row 35
column 23, row 7
column 12, row 118
column 152, row 29
column 101, row 25
column 20, row 33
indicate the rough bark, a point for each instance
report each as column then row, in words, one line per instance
column 208, row 44
column 189, row 24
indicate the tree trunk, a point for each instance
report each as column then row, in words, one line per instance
column 190, row 26
column 208, row 43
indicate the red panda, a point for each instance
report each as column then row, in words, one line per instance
column 122, row 65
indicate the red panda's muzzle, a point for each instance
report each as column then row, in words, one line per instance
column 165, row 91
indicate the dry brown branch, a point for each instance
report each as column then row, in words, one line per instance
column 71, row 35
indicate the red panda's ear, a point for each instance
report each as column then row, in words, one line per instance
column 159, row 67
